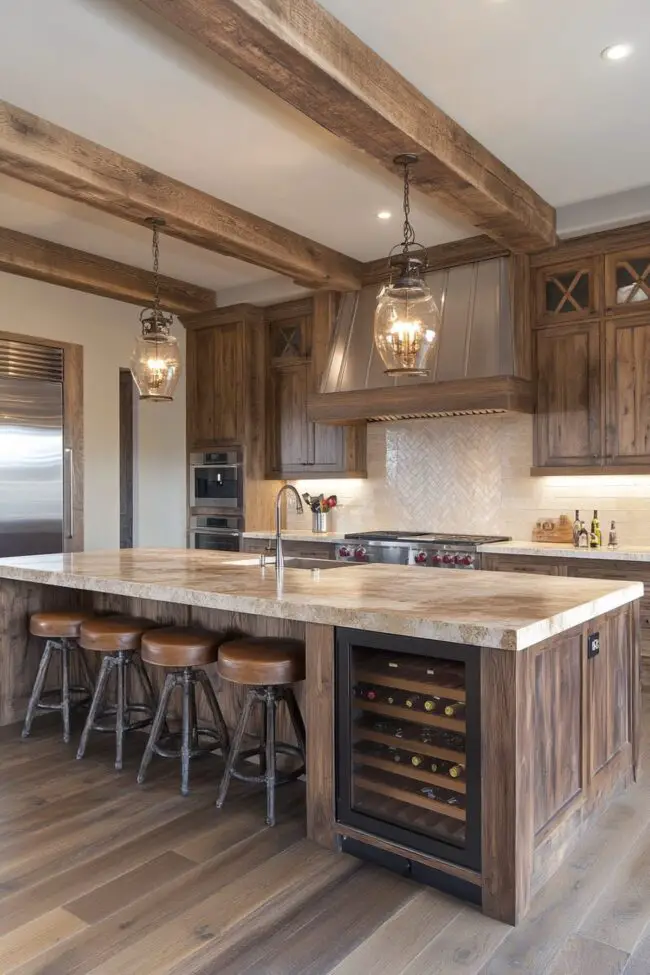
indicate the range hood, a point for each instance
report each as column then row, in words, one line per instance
column 478, row 367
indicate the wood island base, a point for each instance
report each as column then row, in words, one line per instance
column 559, row 729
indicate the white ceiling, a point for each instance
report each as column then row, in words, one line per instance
column 523, row 76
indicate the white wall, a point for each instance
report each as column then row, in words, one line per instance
column 107, row 329
column 472, row 474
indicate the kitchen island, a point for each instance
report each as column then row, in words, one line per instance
column 509, row 704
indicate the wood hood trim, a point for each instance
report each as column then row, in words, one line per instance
column 491, row 394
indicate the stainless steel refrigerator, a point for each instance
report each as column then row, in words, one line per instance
column 32, row 483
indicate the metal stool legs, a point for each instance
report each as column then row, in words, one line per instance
column 122, row 710
column 187, row 679
column 65, row 647
column 268, row 748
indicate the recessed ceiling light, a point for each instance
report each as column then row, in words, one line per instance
column 616, row 52
column 384, row 215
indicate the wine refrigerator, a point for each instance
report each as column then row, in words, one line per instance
column 408, row 743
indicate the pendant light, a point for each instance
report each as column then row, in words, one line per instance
column 155, row 360
column 407, row 319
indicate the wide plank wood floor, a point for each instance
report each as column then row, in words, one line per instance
column 101, row 877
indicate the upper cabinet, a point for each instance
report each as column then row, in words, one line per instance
column 592, row 356
column 566, row 292
column 216, row 383
column 297, row 340
column 627, row 280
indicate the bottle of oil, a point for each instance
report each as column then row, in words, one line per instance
column 576, row 529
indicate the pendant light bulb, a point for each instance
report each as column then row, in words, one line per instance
column 156, row 360
column 407, row 319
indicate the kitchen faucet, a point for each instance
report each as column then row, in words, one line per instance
column 279, row 555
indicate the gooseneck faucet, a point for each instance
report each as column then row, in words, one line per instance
column 279, row 555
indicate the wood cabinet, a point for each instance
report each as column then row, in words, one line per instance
column 297, row 549
column 627, row 385
column 216, row 384
column 592, row 343
column 568, row 427
column 512, row 563
column 297, row 336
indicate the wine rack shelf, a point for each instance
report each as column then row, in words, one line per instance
column 415, row 818
column 421, row 687
column 409, row 772
column 405, row 714
column 378, row 782
column 413, row 744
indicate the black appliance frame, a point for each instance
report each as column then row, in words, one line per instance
column 468, row 856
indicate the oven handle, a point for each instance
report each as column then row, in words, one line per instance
column 216, row 531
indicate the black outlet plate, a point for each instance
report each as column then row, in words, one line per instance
column 593, row 645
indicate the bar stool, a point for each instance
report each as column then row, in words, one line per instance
column 118, row 639
column 60, row 630
column 184, row 652
column 268, row 666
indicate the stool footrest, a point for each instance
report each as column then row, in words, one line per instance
column 165, row 750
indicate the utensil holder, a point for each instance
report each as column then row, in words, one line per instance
column 319, row 522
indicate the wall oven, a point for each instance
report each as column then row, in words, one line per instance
column 219, row 533
column 216, row 479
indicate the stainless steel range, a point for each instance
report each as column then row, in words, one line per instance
column 431, row 549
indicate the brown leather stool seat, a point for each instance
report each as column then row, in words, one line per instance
column 118, row 639
column 110, row 634
column 265, row 661
column 269, row 666
column 184, row 652
column 64, row 623
column 60, row 630
column 177, row 646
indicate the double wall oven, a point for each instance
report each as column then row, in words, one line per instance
column 216, row 499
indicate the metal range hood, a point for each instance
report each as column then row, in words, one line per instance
column 478, row 368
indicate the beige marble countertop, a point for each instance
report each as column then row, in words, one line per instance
column 494, row 609
column 625, row 553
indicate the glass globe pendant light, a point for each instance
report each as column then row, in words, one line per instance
column 407, row 319
column 155, row 360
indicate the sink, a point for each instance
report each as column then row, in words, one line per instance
column 291, row 562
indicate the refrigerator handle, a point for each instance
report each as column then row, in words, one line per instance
column 69, row 487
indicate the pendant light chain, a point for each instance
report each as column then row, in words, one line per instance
column 409, row 232
column 155, row 248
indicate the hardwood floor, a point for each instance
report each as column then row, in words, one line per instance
column 101, row 877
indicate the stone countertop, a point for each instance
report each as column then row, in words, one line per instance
column 625, row 553
column 494, row 609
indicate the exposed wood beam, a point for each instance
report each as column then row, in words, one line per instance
column 303, row 54
column 465, row 251
column 38, row 152
column 32, row 257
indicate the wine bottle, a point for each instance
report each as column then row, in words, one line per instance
column 583, row 538
column 595, row 537
column 416, row 760
column 413, row 701
column 366, row 693
column 457, row 771
column 455, row 710
column 394, row 754
column 576, row 529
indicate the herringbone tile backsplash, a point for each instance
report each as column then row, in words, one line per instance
column 472, row 474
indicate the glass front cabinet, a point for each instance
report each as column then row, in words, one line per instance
column 408, row 743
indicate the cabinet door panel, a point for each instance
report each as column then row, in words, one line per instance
column 228, row 383
column 544, row 566
column 568, row 397
column 290, row 447
column 627, row 345
column 200, row 386
column 610, row 723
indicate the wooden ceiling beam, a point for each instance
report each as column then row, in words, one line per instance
column 32, row 257
column 442, row 256
column 38, row 152
column 307, row 57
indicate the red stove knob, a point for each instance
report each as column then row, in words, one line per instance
column 465, row 559
column 436, row 559
column 420, row 558
column 344, row 552
column 360, row 554
column 448, row 559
